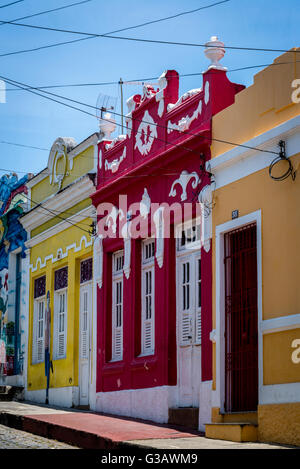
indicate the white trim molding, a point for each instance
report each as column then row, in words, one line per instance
column 87, row 212
column 239, row 162
column 60, row 254
column 281, row 323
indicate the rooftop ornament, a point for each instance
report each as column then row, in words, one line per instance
column 107, row 126
column 215, row 52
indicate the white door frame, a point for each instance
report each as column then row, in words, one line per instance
column 189, row 253
column 218, row 396
column 89, row 287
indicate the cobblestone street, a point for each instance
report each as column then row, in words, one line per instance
column 17, row 439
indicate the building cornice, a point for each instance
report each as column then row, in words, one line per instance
column 87, row 212
column 79, row 190
column 241, row 162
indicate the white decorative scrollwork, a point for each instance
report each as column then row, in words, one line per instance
column 185, row 122
column 116, row 140
column 213, row 336
column 113, row 166
column 145, row 204
column 127, row 247
column 206, row 92
column 59, row 151
column 206, row 200
column 183, row 181
column 98, row 260
column 158, row 219
column 184, row 97
column 162, row 83
column 145, row 135
column 111, row 219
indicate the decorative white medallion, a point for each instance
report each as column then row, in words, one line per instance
column 113, row 166
column 185, row 122
column 183, row 181
column 145, row 134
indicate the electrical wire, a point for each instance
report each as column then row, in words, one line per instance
column 12, row 3
column 144, row 80
column 40, row 205
column 19, row 84
column 93, row 36
column 282, row 157
column 48, row 11
column 154, row 41
column 21, row 145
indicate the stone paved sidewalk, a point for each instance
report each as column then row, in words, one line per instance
column 87, row 429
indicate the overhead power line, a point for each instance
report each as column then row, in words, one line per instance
column 11, row 3
column 21, row 145
column 66, row 219
column 19, row 84
column 141, row 81
column 154, row 41
column 93, row 36
column 48, row 11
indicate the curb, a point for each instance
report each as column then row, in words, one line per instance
column 71, row 436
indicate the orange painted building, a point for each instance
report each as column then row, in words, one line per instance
column 256, row 259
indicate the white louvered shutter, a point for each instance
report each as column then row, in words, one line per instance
column 198, row 302
column 34, row 332
column 185, row 327
column 148, row 311
column 84, row 352
column 118, row 320
column 40, row 330
column 38, row 338
column 61, row 324
column 117, row 306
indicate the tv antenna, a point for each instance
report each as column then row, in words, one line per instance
column 105, row 104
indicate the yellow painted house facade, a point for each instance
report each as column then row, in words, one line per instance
column 61, row 291
column 256, row 260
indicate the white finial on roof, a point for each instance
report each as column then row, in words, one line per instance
column 215, row 51
column 107, row 125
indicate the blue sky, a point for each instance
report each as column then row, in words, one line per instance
column 31, row 120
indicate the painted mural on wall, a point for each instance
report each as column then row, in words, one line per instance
column 12, row 236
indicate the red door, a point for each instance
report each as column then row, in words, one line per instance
column 241, row 344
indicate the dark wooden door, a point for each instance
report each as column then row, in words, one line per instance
column 241, row 336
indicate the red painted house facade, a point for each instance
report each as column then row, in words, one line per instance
column 152, row 252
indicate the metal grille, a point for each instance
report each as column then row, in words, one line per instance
column 61, row 278
column 241, row 349
column 40, row 286
column 86, row 270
